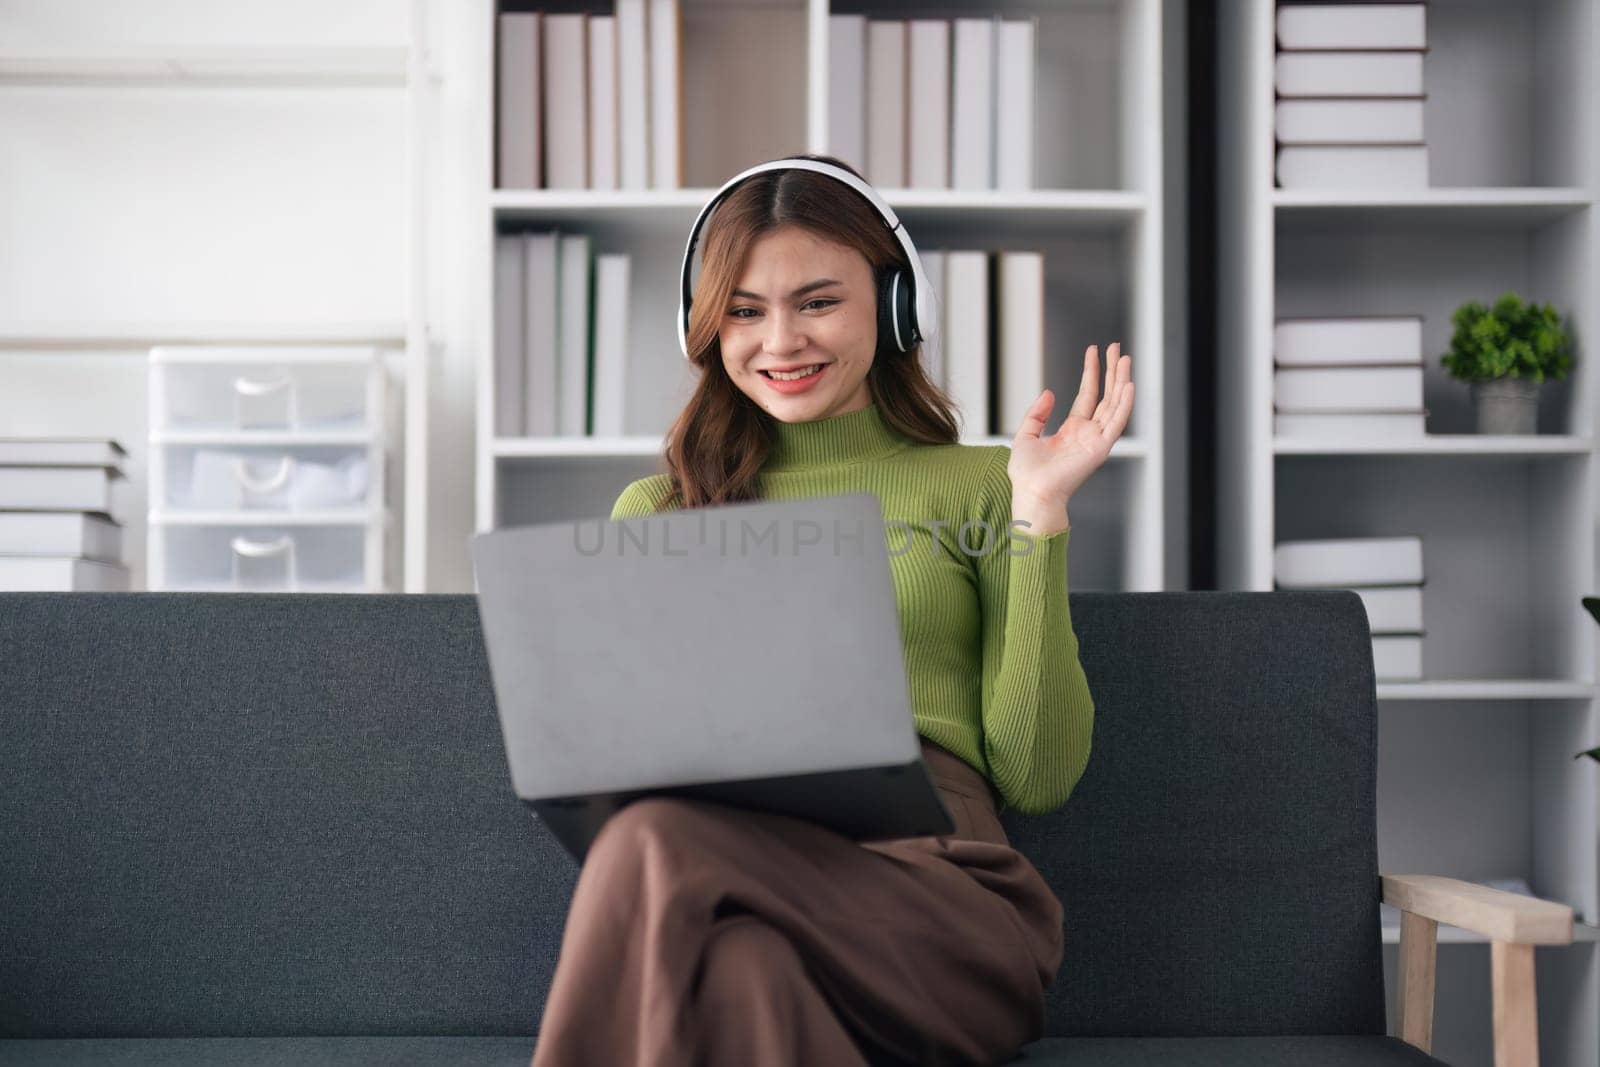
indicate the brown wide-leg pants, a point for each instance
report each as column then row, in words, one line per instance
column 702, row 934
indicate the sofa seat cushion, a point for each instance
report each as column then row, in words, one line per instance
column 272, row 1051
column 1276, row 1051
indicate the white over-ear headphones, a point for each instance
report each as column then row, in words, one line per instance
column 904, row 304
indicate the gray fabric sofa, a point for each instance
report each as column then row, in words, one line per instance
column 263, row 829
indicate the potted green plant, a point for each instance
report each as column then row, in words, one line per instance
column 1504, row 352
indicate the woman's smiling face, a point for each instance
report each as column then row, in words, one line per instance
column 802, row 302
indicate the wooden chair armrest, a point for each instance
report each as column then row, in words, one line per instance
column 1512, row 922
column 1496, row 914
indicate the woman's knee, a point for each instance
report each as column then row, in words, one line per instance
column 647, row 817
column 744, row 955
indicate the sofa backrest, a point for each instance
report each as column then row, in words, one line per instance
column 230, row 814
column 1218, row 860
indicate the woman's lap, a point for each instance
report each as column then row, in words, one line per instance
column 936, row 949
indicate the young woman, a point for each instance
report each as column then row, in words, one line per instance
column 704, row 934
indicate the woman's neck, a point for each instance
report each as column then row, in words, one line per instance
column 837, row 440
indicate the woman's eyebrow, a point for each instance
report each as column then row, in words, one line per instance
column 802, row 291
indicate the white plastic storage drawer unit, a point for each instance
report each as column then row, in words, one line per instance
column 267, row 468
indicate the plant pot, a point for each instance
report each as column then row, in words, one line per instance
column 1507, row 405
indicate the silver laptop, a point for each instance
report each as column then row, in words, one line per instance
column 747, row 654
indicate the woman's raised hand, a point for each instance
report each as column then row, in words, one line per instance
column 1046, row 470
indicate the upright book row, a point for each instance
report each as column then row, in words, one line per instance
column 590, row 101
column 561, row 336
column 988, row 352
column 933, row 104
column 57, row 533
column 1350, row 96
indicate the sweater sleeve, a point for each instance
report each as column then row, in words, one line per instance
column 1037, row 711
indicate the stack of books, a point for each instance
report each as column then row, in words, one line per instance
column 1386, row 572
column 1353, row 379
column 590, row 101
column 933, row 103
column 988, row 351
column 1350, row 100
column 57, row 533
column 561, row 336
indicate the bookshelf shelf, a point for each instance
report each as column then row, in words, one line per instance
column 1476, row 771
column 1488, row 689
column 1526, row 206
column 1488, row 446
column 675, row 209
column 96, row 65
column 140, row 337
column 1096, row 213
column 650, row 446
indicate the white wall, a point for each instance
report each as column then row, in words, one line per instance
column 128, row 208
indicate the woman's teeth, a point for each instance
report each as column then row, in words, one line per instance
column 794, row 376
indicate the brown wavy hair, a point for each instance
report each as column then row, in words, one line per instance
column 720, row 440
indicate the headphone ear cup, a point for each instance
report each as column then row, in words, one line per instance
column 894, row 305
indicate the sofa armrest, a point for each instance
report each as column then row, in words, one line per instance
column 1512, row 922
column 1496, row 914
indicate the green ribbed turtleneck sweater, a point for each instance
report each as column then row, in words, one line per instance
column 989, row 647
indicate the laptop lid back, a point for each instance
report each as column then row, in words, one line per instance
column 730, row 643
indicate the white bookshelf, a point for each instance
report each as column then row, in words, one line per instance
column 1476, row 775
column 1096, row 213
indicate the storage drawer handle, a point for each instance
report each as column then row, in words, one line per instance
column 258, row 549
column 285, row 468
column 256, row 387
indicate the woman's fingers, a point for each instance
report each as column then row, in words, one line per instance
column 1084, row 405
column 1034, row 418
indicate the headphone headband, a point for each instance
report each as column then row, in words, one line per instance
column 906, row 334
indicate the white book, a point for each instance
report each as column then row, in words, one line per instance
column 1353, row 167
column 1366, row 25
column 1392, row 610
column 1349, row 74
column 847, row 82
column 566, row 106
column 633, row 88
column 541, row 327
column 1019, row 297
column 1347, row 389
column 612, row 274
column 61, row 452
column 1014, row 92
column 1350, row 121
column 972, row 103
column 928, row 103
column 966, row 344
column 1353, row 426
column 518, row 135
column 1348, row 341
column 57, row 488
column 41, row 574
column 1397, row 658
column 933, row 269
column 886, row 103
column 1338, row 563
column 602, row 102
column 666, row 95
column 60, row 533
column 572, row 371
column 508, row 344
